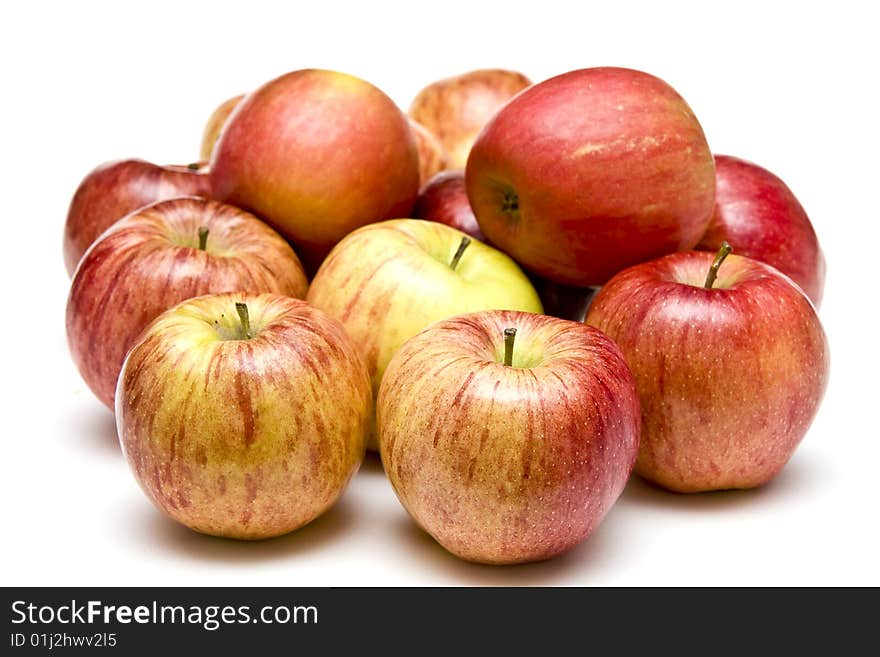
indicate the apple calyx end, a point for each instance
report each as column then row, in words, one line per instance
column 724, row 251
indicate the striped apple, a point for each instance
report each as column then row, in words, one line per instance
column 508, row 436
column 157, row 257
column 243, row 416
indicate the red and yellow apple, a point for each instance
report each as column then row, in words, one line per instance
column 157, row 257
column 456, row 109
column 759, row 214
column 432, row 155
column 590, row 172
column 444, row 199
column 243, row 416
column 387, row 281
column 730, row 371
column 215, row 124
column 508, row 436
column 317, row 154
column 115, row 189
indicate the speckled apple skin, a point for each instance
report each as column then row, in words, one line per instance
column 118, row 188
column 245, row 439
column 387, row 281
column 729, row 378
column 148, row 262
column 504, row 464
column 761, row 218
column 592, row 171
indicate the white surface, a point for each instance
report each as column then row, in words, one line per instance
column 792, row 89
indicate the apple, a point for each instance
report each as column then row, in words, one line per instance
column 432, row 155
column 730, row 370
column 759, row 214
column 215, row 124
column 456, row 109
column 243, row 416
column 590, row 172
column 317, row 154
column 444, row 199
column 157, row 257
column 507, row 436
column 115, row 189
column 386, row 282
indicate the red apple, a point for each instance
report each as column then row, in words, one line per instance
column 432, row 155
column 730, row 376
column 157, row 257
column 508, row 451
column 592, row 171
column 117, row 188
column 387, row 281
column 759, row 215
column 243, row 416
column 317, row 154
column 215, row 124
column 456, row 109
column 444, row 200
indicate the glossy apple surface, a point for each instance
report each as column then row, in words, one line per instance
column 215, row 124
column 243, row 433
column 432, row 155
column 388, row 281
column 456, row 108
column 152, row 260
column 758, row 214
column 590, row 172
column 317, row 154
column 115, row 189
column 444, row 199
column 508, row 463
column 729, row 377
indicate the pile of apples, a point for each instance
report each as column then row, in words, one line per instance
column 337, row 276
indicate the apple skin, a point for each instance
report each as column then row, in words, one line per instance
column 761, row 218
column 149, row 261
column 386, row 282
column 215, row 124
column 456, row 109
column 432, row 155
column 590, row 172
column 317, row 154
column 444, row 200
column 729, row 378
column 117, row 188
column 508, row 464
column 243, row 438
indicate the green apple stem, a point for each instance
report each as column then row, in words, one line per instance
column 460, row 252
column 242, row 310
column 723, row 252
column 193, row 166
column 203, row 238
column 509, row 337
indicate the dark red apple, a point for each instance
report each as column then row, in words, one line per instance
column 730, row 371
column 759, row 215
column 116, row 188
column 157, row 257
column 590, row 172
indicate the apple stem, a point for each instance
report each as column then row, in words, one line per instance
column 193, row 166
column 723, row 252
column 242, row 310
column 509, row 337
column 461, row 247
column 203, row 238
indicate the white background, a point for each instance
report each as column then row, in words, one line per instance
column 789, row 86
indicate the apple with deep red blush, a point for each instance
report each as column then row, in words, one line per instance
column 592, row 171
column 730, row 361
column 444, row 200
column 243, row 416
column 508, row 436
column 157, row 257
column 115, row 189
column 758, row 213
